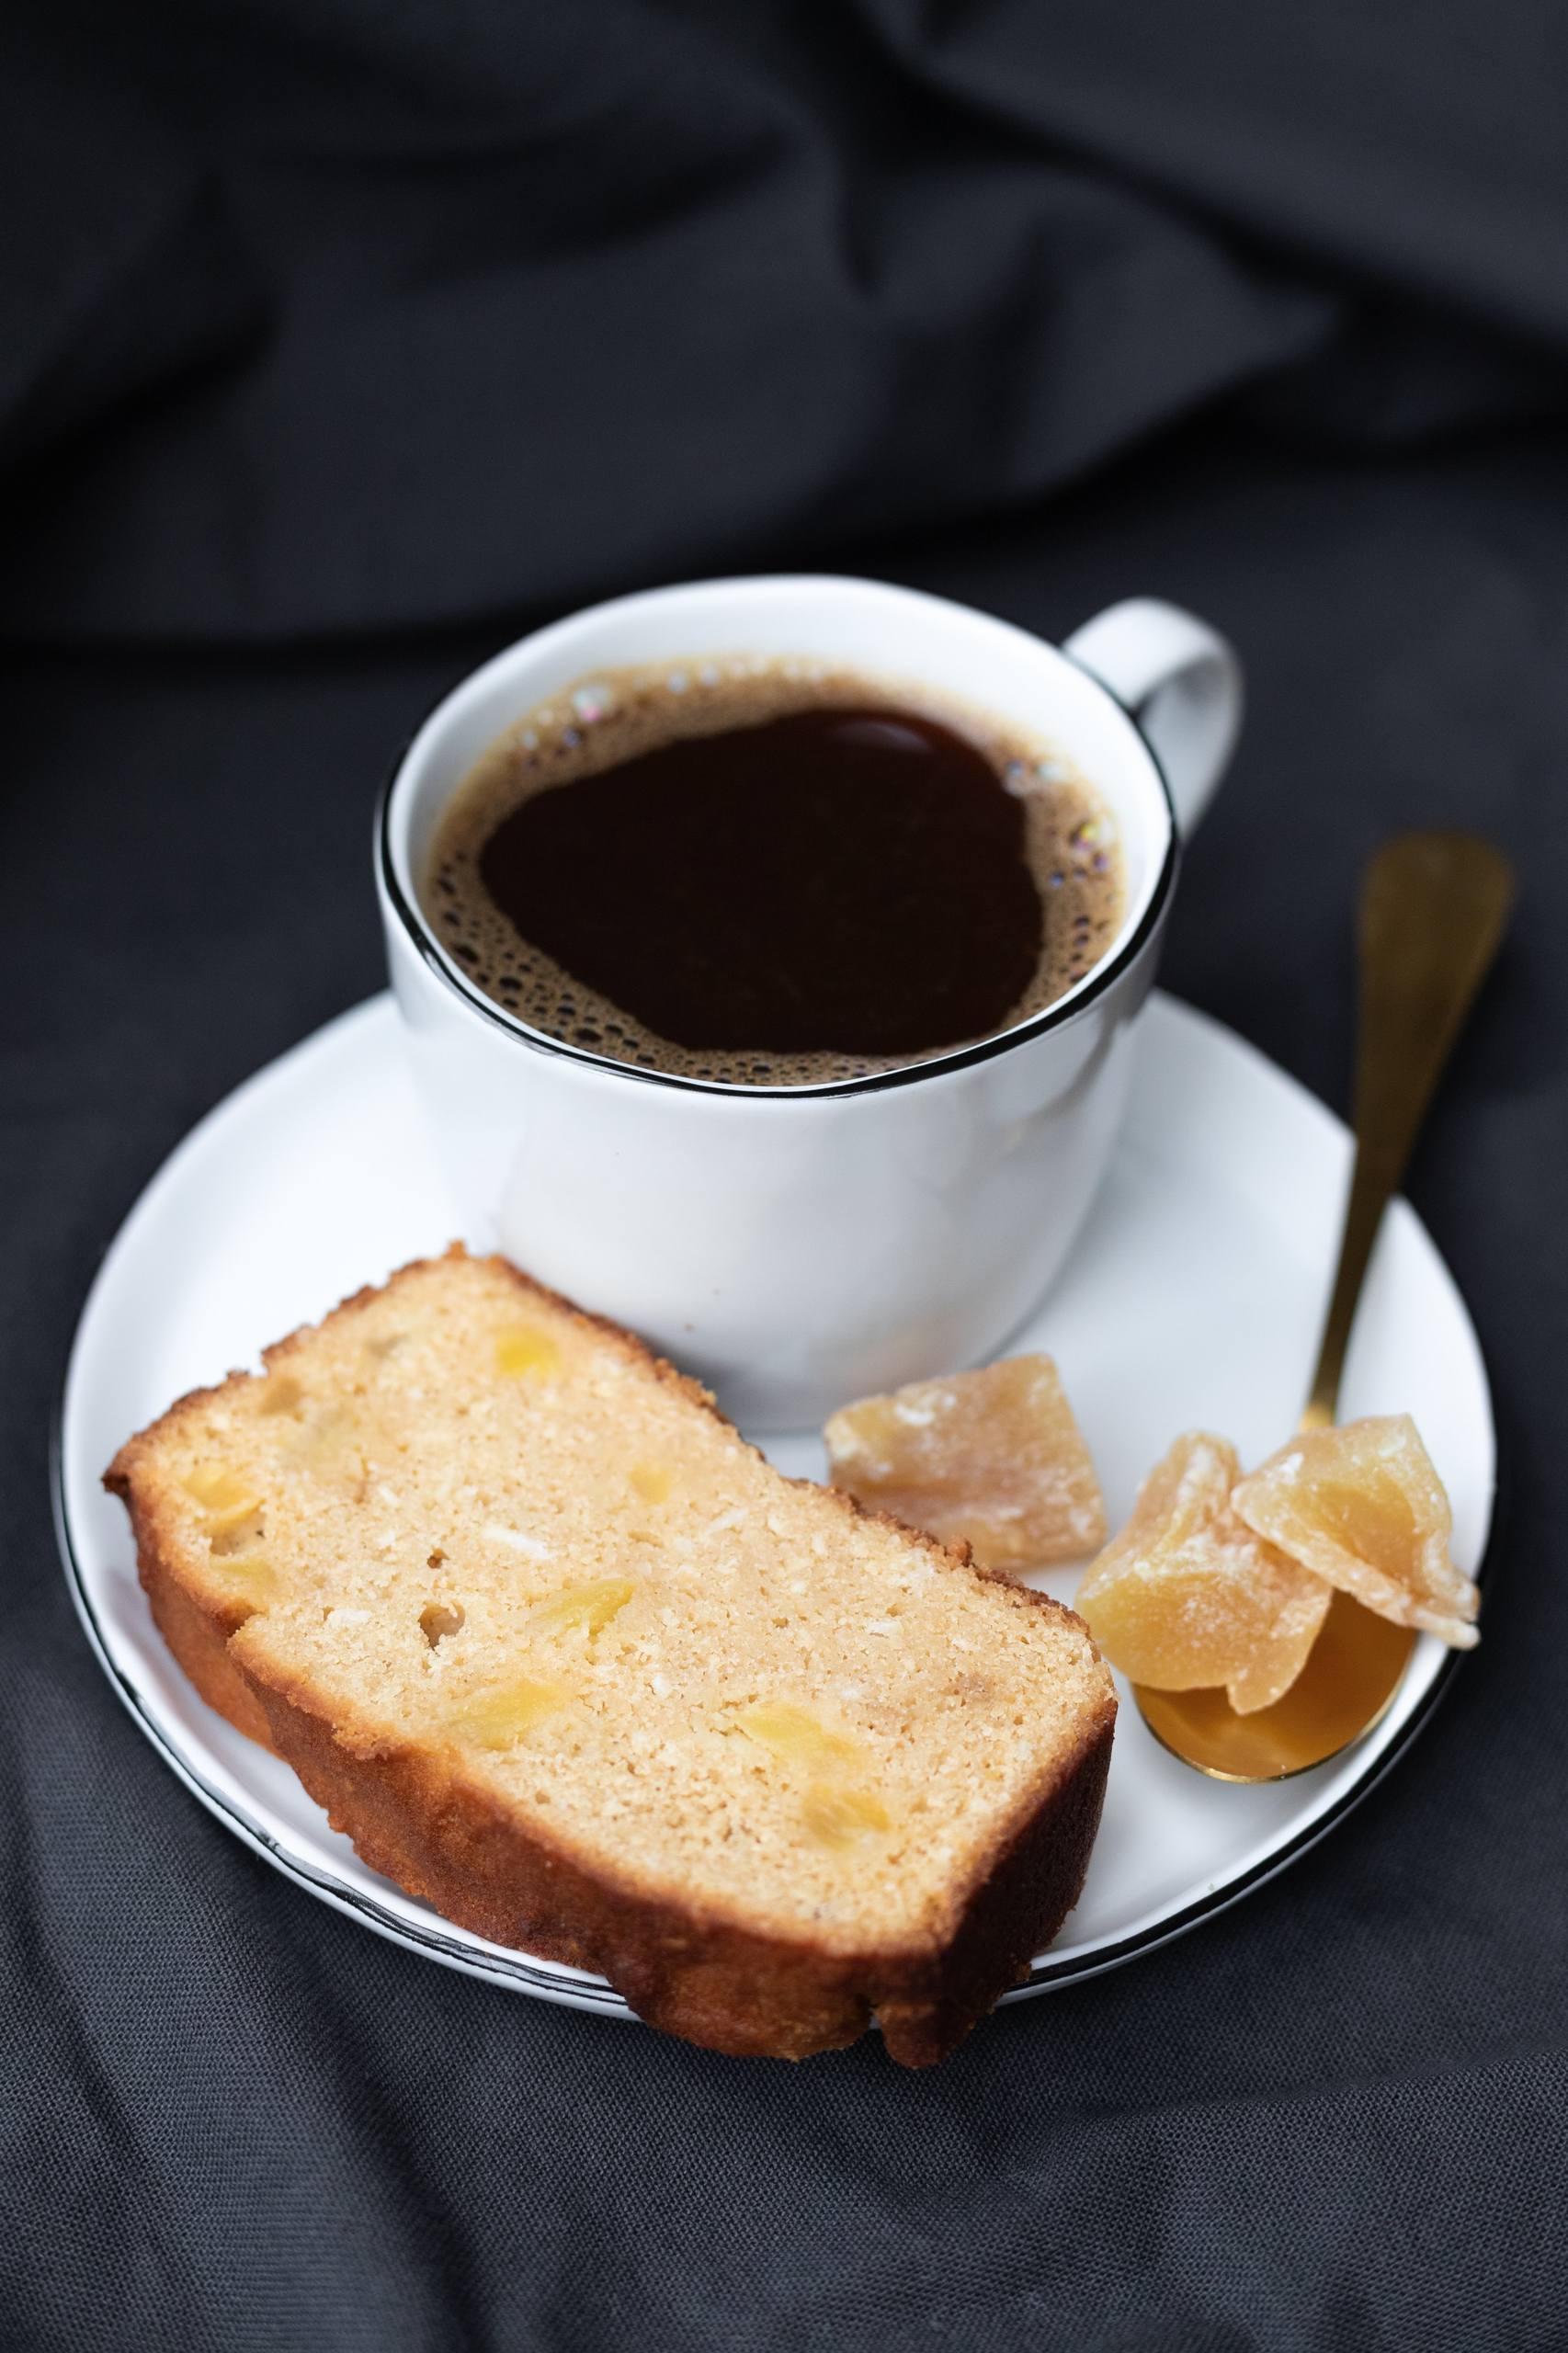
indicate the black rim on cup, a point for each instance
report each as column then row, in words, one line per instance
column 1059, row 1016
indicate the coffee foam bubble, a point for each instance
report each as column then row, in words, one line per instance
column 610, row 716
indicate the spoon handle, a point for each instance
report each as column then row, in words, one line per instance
column 1433, row 909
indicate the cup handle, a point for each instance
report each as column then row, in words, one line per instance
column 1182, row 683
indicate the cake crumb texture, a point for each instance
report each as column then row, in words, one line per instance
column 566, row 1657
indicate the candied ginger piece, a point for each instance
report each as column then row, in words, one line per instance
column 254, row 1575
column 842, row 1818
column 325, row 1441
column 584, row 1608
column 994, row 1457
column 527, row 1353
column 796, row 1738
column 1188, row 1596
column 237, row 1539
column 225, row 1499
column 1363, row 1506
column 500, row 1717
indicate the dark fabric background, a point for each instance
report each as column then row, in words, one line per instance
column 338, row 342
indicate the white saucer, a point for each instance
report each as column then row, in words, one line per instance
column 1194, row 1299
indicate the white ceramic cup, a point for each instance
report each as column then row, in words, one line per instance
column 797, row 1247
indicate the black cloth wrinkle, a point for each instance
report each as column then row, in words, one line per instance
column 339, row 342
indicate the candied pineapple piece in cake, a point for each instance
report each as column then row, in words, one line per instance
column 993, row 1456
column 1188, row 1596
column 1363, row 1506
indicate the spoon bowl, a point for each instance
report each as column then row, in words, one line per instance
column 1433, row 909
column 1346, row 1687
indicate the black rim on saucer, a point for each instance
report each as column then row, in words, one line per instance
column 493, row 1962
column 551, row 1980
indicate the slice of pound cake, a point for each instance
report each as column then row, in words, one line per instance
column 567, row 1658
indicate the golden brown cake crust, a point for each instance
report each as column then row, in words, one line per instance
column 687, row 1969
column 197, row 1634
column 690, row 1972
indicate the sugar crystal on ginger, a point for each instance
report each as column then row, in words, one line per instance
column 994, row 1457
column 1362, row 1506
column 1188, row 1595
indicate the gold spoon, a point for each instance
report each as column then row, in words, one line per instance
column 1434, row 908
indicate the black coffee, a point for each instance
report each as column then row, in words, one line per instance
column 765, row 874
